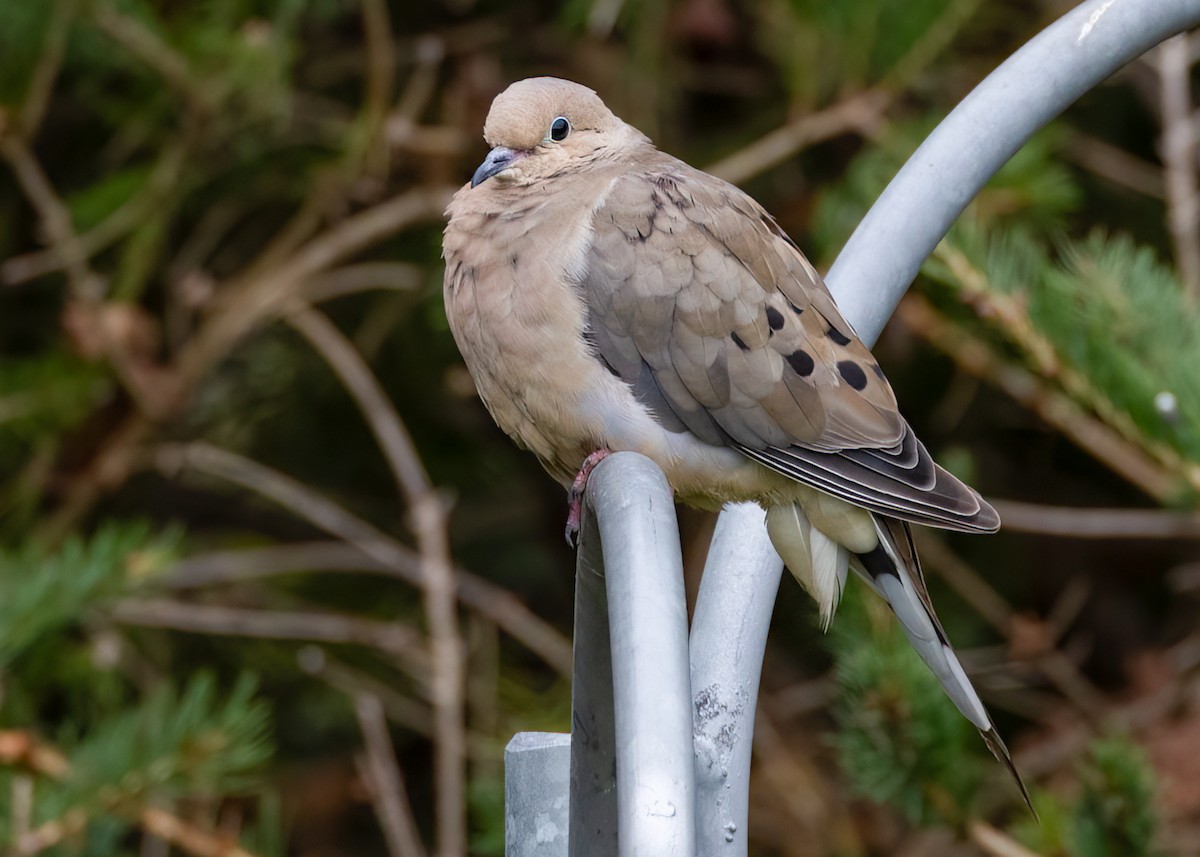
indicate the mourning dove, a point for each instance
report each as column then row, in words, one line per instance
column 607, row 296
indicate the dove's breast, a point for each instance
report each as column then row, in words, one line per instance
column 519, row 320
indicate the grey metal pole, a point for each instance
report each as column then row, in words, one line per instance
column 729, row 636
column 537, row 767
column 868, row 279
column 593, row 828
column 634, row 522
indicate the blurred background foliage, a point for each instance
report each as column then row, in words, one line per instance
column 270, row 580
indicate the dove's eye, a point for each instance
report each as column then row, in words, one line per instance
column 559, row 129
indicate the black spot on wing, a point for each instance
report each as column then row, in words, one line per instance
column 800, row 361
column 774, row 318
column 837, row 336
column 853, row 374
column 737, row 340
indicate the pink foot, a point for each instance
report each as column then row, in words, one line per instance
column 575, row 493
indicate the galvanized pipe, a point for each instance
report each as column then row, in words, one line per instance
column 631, row 513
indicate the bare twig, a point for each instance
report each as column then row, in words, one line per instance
column 21, row 805
column 52, row 213
column 402, row 124
column 995, row 842
column 1178, row 149
column 251, row 300
column 1116, row 165
column 964, row 580
column 132, row 35
column 429, row 520
column 402, row 643
column 24, row 749
column 365, row 276
column 801, row 786
column 369, row 549
column 1083, row 523
column 382, row 777
column 861, row 113
column 373, row 153
column 976, row 356
column 41, row 84
column 187, row 837
column 129, row 215
column 403, row 710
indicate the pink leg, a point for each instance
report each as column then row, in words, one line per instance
column 575, row 493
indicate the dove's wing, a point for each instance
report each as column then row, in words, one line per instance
column 698, row 300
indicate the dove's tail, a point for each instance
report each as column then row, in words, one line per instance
column 893, row 570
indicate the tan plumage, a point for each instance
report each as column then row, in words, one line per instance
column 606, row 295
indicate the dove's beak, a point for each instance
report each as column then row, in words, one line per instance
column 498, row 160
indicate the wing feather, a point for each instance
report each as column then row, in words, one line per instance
column 722, row 328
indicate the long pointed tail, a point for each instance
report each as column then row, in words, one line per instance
column 893, row 570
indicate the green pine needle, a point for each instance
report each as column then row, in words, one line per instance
column 45, row 592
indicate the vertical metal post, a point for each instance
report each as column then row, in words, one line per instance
column 536, row 769
column 593, row 728
column 729, row 636
column 651, row 680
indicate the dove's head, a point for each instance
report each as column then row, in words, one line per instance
column 543, row 125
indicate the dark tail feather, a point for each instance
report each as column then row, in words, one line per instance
column 893, row 570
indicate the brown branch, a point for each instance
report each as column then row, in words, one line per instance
column 246, row 303
column 401, row 128
column 187, row 837
column 251, row 300
column 24, row 749
column 1116, row 165
column 384, row 782
column 52, row 213
column 861, row 113
column 365, row 276
column 127, row 216
column 1097, row 523
column 1108, row 446
column 995, row 842
column 144, row 44
column 963, row 579
column 1178, row 150
column 375, row 548
column 45, row 74
column 400, row 642
column 496, row 603
column 381, row 67
column 408, row 712
column 429, row 521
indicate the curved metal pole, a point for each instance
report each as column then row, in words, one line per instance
column 1034, row 85
column 868, row 279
